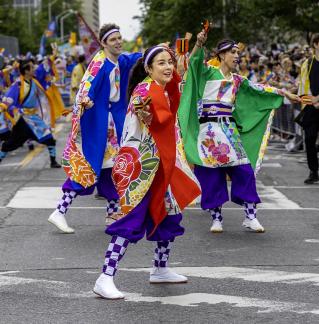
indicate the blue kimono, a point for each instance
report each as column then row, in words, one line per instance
column 33, row 107
column 85, row 148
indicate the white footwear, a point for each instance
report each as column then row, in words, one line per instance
column 105, row 288
column 109, row 220
column 166, row 275
column 254, row 225
column 217, row 226
column 58, row 219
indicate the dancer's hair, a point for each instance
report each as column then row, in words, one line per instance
column 81, row 59
column 106, row 28
column 138, row 73
column 223, row 46
column 24, row 65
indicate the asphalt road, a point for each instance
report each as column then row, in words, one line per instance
column 234, row 277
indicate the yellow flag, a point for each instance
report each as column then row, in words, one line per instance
column 139, row 41
column 72, row 39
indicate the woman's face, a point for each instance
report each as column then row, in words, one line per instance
column 230, row 58
column 161, row 69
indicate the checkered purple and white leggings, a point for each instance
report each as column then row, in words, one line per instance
column 161, row 254
column 217, row 213
column 112, row 206
column 66, row 201
column 114, row 254
column 250, row 210
column 117, row 249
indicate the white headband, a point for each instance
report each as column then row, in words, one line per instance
column 150, row 54
column 227, row 46
column 114, row 30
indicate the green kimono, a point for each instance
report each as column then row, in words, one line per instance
column 240, row 136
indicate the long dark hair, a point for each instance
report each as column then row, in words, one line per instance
column 138, row 73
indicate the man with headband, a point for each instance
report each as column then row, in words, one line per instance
column 227, row 132
column 97, row 123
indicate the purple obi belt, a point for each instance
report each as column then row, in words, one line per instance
column 212, row 111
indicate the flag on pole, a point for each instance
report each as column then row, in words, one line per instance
column 42, row 45
column 88, row 38
column 49, row 32
column 72, row 39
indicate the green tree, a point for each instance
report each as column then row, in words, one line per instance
column 16, row 22
column 249, row 21
column 163, row 19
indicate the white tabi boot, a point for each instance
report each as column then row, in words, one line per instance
column 58, row 219
column 105, row 288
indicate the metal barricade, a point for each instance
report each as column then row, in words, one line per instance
column 284, row 128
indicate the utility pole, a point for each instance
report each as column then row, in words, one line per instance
column 50, row 4
column 29, row 16
column 224, row 18
column 67, row 14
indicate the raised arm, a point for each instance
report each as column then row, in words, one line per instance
column 201, row 40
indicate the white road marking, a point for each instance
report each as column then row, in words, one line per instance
column 246, row 274
column 61, row 289
column 283, row 157
column 93, row 272
column 298, row 187
column 273, row 198
column 11, row 280
column 312, row 241
column 9, row 165
column 53, row 288
column 36, row 197
column 271, row 165
column 260, row 207
column 8, row 272
column 194, row 299
column 47, row 198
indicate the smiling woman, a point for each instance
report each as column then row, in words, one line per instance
column 225, row 121
column 150, row 173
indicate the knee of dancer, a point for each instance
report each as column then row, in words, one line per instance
column 51, row 142
column 131, row 234
column 10, row 146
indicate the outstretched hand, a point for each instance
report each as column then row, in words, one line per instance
column 201, row 38
column 292, row 97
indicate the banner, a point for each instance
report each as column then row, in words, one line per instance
column 88, row 39
column 49, row 32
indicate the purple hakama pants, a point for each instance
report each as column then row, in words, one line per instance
column 104, row 185
column 138, row 222
column 214, row 185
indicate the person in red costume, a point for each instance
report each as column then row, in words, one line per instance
column 151, row 175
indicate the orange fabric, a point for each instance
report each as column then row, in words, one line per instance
column 56, row 103
column 21, row 93
column 214, row 62
column 162, row 129
column 184, row 189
